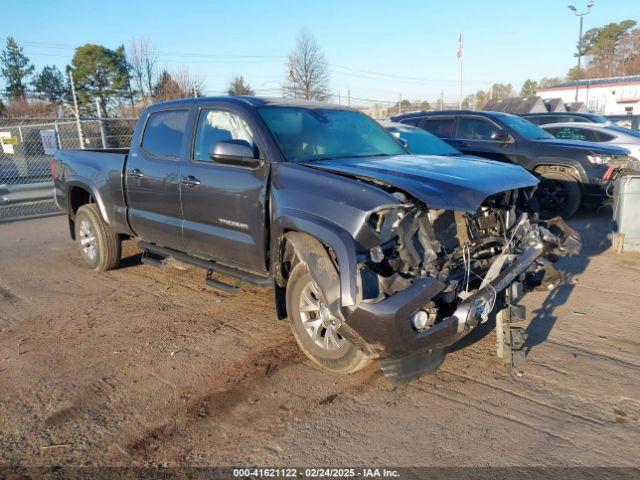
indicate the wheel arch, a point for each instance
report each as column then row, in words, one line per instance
column 78, row 194
column 560, row 165
column 330, row 236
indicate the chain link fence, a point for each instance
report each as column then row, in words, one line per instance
column 27, row 149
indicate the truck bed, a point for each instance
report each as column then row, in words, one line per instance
column 100, row 171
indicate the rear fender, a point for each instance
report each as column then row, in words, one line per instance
column 94, row 194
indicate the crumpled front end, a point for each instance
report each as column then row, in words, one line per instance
column 437, row 274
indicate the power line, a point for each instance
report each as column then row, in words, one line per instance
column 256, row 59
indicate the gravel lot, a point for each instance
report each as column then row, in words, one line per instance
column 143, row 366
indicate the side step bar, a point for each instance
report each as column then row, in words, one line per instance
column 209, row 266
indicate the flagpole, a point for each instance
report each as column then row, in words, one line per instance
column 461, row 58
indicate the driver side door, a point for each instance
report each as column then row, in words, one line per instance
column 474, row 137
column 223, row 206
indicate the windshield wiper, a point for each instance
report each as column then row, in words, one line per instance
column 338, row 157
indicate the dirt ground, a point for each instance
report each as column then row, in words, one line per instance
column 143, row 366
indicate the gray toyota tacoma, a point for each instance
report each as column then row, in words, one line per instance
column 373, row 253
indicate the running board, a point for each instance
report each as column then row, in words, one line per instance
column 209, row 266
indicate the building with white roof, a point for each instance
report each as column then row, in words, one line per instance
column 606, row 96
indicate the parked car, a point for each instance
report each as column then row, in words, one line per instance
column 609, row 134
column 564, row 117
column 572, row 173
column 373, row 253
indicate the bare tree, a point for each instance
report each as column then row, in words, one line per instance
column 630, row 53
column 144, row 65
column 308, row 72
column 237, row 86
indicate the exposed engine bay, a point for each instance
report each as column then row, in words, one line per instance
column 464, row 251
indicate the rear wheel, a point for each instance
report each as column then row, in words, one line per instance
column 558, row 194
column 100, row 246
column 315, row 328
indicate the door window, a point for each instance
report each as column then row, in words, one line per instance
column 576, row 133
column 443, row 127
column 163, row 133
column 477, row 129
column 218, row 125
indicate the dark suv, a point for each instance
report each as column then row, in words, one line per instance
column 572, row 173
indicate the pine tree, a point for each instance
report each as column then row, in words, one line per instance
column 15, row 67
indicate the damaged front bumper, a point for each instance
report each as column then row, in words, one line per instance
column 384, row 329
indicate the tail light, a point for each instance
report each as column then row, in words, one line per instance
column 52, row 166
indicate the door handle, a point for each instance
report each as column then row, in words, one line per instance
column 136, row 173
column 190, row 181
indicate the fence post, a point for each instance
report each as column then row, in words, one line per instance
column 20, row 156
column 55, row 125
column 103, row 135
column 75, row 109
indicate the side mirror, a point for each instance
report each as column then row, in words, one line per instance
column 500, row 136
column 235, row 152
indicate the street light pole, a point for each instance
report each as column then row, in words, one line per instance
column 581, row 15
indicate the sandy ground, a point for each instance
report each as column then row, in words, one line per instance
column 144, row 366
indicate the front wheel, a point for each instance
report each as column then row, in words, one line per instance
column 558, row 194
column 314, row 327
column 100, row 246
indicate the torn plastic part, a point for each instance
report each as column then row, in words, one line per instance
column 465, row 251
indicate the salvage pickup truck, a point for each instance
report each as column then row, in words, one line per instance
column 373, row 253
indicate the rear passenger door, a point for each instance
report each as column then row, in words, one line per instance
column 474, row 137
column 224, row 205
column 152, row 178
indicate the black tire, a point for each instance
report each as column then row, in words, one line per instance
column 107, row 243
column 345, row 359
column 558, row 194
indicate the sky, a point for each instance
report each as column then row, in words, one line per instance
column 377, row 50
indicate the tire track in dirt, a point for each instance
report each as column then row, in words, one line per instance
column 626, row 363
column 465, row 401
column 530, row 399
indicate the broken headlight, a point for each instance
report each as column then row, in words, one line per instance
column 385, row 220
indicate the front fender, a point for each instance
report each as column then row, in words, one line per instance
column 330, row 234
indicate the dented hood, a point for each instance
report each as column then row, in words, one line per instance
column 441, row 182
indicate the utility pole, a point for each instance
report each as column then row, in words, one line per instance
column 75, row 109
column 349, row 97
column 339, row 102
column 195, row 90
column 581, row 15
column 399, row 104
column 441, row 100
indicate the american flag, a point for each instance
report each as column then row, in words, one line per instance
column 460, row 47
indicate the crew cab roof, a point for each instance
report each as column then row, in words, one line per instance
column 252, row 102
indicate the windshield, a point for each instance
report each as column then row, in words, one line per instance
column 420, row 142
column 525, row 128
column 306, row 134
